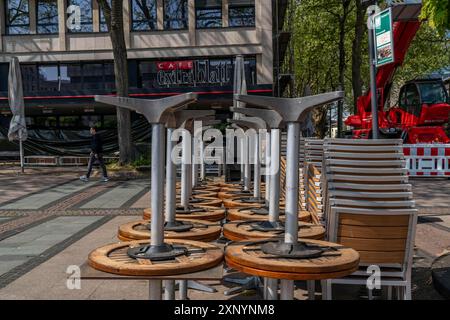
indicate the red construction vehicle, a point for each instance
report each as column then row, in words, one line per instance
column 423, row 107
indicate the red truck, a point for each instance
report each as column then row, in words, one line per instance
column 421, row 114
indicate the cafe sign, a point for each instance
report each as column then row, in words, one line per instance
column 192, row 73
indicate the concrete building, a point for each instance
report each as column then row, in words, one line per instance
column 173, row 46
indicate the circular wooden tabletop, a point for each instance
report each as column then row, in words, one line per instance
column 243, row 230
column 201, row 231
column 250, row 214
column 239, row 203
column 113, row 258
column 336, row 262
column 208, row 214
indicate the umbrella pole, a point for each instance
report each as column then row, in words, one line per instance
column 22, row 169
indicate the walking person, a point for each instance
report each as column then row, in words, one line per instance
column 96, row 154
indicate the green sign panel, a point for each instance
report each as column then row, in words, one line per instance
column 383, row 39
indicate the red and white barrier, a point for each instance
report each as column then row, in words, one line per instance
column 427, row 159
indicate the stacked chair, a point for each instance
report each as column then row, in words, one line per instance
column 368, row 206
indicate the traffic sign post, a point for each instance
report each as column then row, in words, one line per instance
column 381, row 52
column 383, row 38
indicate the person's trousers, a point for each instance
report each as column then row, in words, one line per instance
column 92, row 159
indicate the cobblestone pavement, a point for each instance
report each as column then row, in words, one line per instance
column 49, row 220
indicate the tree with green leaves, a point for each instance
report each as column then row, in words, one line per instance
column 437, row 12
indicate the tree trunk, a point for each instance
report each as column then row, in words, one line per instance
column 356, row 53
column 341, row 47
column 114, row 19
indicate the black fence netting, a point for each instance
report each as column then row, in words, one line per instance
column 69, row 142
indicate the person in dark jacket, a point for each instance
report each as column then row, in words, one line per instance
column 96, row 154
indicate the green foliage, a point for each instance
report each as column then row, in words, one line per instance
column 316, row 53
column 437, row 12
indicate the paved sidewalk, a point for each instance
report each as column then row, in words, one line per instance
column 50, row 221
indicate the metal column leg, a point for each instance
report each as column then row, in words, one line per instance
column 183, row 288
column 286, row 290
column 169, row 289
column 155, row 289
column 272, row 289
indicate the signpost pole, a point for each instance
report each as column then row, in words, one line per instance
column 373, row 83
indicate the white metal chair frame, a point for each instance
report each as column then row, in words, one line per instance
column 389, row 276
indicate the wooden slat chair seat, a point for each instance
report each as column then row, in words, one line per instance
column 369, row 187
column 366, row 163
column 383, row 237
column 353, row 142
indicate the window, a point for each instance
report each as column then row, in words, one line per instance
column 175, row 14
column 86, row 14
column 70, row 75
column 208, row 13
column 29, row 77
column 48, row 78
column 109, row 122
column 148, row 73
column 143, row 15
column 17, row 17
column 103, row 25
column 110, row 79
column 94, row 120
column 4, row 70
column 432, row 92
column 92, row 76
column 241, row 13
column 47, row 16
column 69, row 121
column 46, row 122
column 412, row 100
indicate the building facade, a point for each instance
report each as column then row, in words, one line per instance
column 173, row 46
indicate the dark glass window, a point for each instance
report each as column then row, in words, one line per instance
column 92, row 76
column 432, row 92
column 17, row 17
column 94, row 120
column 109, row 121
column 70, row 75
column 86, row 14
column 103, row 25
column 46, row 122
column 241, row 13
column 148, row 73
column 208, row 13
column 250, row 70
column 413, row 100
column 175, row 14
column 143, row 15
column 29, row 77
column 110, row 83
column 48, row 78
column 47, row 16
column 69, row 121
column 4, row 70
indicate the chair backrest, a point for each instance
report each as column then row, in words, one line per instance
column 381, row 236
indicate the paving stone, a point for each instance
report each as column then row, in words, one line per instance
column 118, row 196
column 36, row 240
column 41, row 199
